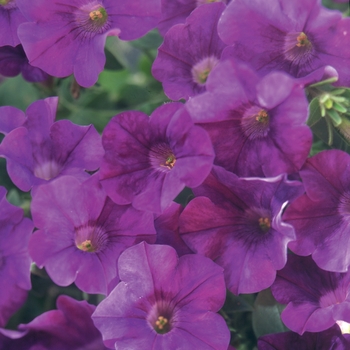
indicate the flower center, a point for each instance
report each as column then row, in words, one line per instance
column 90, row 238
column 47, row 170
column 200, row 71
column 162, row 157
column 86, row 246
column 255, row 123
column 302, row 40
column 162, row 325
column 92, row 17
column 297, row 48
column 265, row 224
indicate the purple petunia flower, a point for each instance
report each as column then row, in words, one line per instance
column 14, row 61
column 293, row 36
column 189, row 53
column 10, row 18
column 238, row 224
column 176, row 11
column 149, row 160
column 15, row 262
column 316, row 298
column 68, row 36
column 164, row 302
column 257, row 126
column 82, row 233
column 69, row 327
column 321, row 217
column 167, row 228
column 331, row 338
column 40, row 150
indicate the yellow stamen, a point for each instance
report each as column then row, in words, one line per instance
column 302, row 40
column 264, row 224
column 161, row 322
column 169, row 162
column 95, row 15
column 86, row 246
column 262, row 117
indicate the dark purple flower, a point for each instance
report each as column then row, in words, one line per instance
column 189, row 53
column 14, row 258
column 69, row 327
column 176, row 11
column 321, row 217
column 164, row 302
column 14, row 61
column 167, row 228
column 82, row 233
column 331, row 338
column 238, row 224
column 10, row 18
column 257, row 126
column 68, row 36
column 40, row 150
column 149, row 160
column 316, row 298
column 293, row 36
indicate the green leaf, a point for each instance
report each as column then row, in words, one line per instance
column 314, row 112
column 335, row 117
column 266, row 314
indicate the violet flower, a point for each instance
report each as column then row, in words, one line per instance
column 238, row 224
column 68, row 327
column 10, row 18
column 14, row 61
column 293, row 36
column 82, row 233
column 316, row 298
column 65, row 37
column 331, row 338
column 176, row 11
column 189, row 53
column 149, row 160
column 164, row 302
column 40, row 149
column 15, row 262
column 321, row 217
column 257, row 126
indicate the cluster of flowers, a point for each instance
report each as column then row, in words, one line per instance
column 103, row 208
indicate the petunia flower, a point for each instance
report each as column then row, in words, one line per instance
column 316, row 298
column 292, row 36
column 68, row 327
column 321, row 217
column 149, row 160
column 15, row 231
column 40, row 149
column 331, row 338
column 237, row 222
column 10, row 18
column 14, row 61
column 257, row 126
column 68, row 36
column 164, row 302
column 176, row 11
column 82, row 233
column 189, row 53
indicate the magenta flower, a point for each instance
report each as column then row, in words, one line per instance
column 65, row 37
column 82, row 233
column 68, row 327
column 14, row 258
column 40, row 149
column 189, row 53
column 237, row 222
column 257, row 126
column 164, row 302
column 14, row 61
column 316, row 298
column 321, row 217
column 10, row 18
column 331, row 338
column 149, row 160
column 292, row 36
